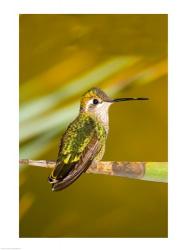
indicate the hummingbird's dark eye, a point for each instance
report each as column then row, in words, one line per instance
column 95, row 101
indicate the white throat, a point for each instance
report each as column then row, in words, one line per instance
column 102, row 114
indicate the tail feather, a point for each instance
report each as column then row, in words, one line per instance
column 60, row 172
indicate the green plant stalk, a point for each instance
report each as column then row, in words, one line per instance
column 148, row 171
column 156, row 171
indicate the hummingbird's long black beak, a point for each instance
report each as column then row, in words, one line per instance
column 129, row 99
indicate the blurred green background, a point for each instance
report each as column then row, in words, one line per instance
column 62, row 56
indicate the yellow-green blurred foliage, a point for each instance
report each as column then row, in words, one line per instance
column 61, row 56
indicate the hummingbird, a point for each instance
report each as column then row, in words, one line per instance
column 83, row 142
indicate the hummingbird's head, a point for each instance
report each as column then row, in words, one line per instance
column 96, row 99
column 97, row 102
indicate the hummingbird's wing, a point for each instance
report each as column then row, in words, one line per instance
column 77, row 150
column 81, row 166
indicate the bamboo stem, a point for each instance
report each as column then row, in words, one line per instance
column 149, row 171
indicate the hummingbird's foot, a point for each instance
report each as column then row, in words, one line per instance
column 52, row 180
